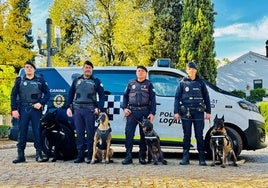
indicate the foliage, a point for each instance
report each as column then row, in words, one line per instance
column 165, row 29
column 7, row 77
column 4, row 130
column 67, row 15
column 239, row 93
column 16, row 43
column 131, row 33
column 196, row 38
column 264, row 111
column 256, row 95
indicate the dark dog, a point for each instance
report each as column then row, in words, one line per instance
column 221, row 144
column 51, row 130
column 102, row 141
column 153, row 143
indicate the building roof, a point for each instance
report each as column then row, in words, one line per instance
column 240, row 73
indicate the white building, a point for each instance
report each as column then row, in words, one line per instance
column 249, row 71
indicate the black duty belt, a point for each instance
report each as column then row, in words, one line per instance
column 75, row 105
column 27, row 103
column 139, row 107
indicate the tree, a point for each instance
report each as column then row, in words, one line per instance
column 165, row 30
column 16, row 43
column 131, row 32
column 196, row 41
column 7, row 77
column 68, row 15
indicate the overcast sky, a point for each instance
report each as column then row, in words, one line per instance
column 240, row 25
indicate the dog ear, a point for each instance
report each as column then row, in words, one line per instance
column 222, row 117
column 216, row 117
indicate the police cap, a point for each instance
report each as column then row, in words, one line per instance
column 142, row 67
column 89, row 63
column 30, row 63
column 192, row 65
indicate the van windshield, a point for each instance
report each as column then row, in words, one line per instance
column 165, row 83
column 115, row 81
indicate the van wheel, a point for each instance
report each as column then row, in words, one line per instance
column 236, row 139
column 63, row 136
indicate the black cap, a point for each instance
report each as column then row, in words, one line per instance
column 88, row 63
column 142, row 67
column 30, row 63
column 192, row 65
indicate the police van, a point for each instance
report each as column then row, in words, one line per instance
column 245, row 125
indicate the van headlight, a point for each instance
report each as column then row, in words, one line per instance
column 248, row 106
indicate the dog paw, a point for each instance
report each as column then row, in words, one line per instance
column 53, row 160
column 164, row 162
column 235, row 165
column 223, row 166
column 155, row 163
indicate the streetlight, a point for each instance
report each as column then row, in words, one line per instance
column 49, row 51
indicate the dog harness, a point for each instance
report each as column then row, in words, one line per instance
column 103, row 134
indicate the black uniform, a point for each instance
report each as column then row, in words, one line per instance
column 25, row 93
column 83, row 98
column 191, row 101
column 139, row 97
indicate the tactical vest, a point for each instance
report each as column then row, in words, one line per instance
column 139, row 93
column 85, row 92
column 192, row 93
column 29, row 91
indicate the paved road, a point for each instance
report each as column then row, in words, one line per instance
column 251, row 172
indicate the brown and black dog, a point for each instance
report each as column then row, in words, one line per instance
column 221, row 144
column 153, row 143
column 102, row 141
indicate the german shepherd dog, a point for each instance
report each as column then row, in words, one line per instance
column 221, row 144
column 153, row 143
column 102, row 140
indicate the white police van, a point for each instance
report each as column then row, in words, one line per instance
column 244, row 123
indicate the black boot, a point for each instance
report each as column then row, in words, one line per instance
column 39, row 157
column 185, row 158
column 89, row 157
column 142, row 156
column 80, row 157
column 21, row 157
column 202, row 161
column 128, row 159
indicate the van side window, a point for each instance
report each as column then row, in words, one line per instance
column 115, row 82
column 165, row 83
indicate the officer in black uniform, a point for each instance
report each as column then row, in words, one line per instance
column 191, row 102
column 83, row 100
column 138, row 103
column 29, row 94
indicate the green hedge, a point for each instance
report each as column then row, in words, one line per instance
column 4, row 130
column 264, row 111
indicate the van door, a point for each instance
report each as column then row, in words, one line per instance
column 165, row 84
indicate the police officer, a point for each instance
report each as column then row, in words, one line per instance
column 29, row 94
column 82, row 104
column 138, row 103
column 192, row 105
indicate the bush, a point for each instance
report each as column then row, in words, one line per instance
column 264, row 112
column 4, row 130
column 256, row 95
column 239, row 93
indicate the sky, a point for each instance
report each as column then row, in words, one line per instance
column 240, row 25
